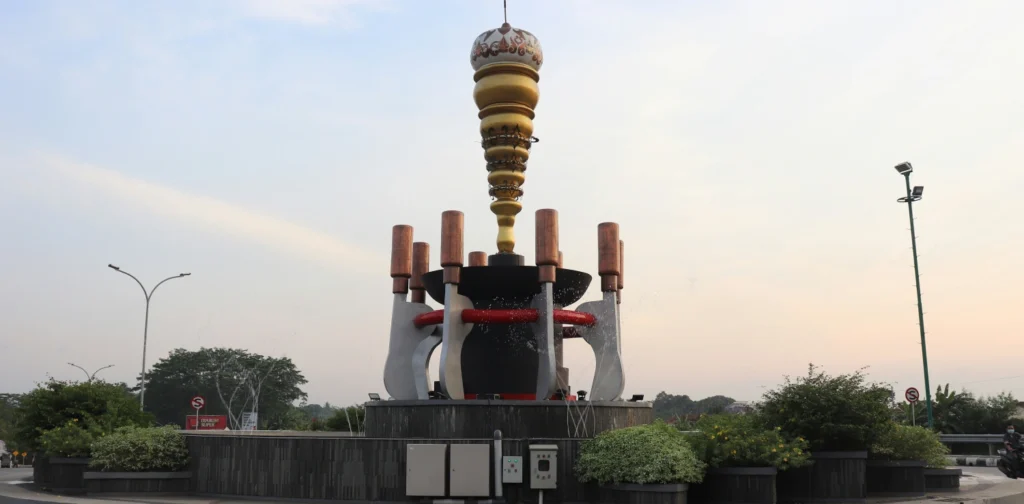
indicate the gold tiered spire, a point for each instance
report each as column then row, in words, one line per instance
column 506, row 61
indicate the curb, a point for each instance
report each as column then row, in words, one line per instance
column 973, row 460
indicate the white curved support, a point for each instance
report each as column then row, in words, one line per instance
column 604, row 338
column 544, row 337
column 405, row 370
column 453, row 335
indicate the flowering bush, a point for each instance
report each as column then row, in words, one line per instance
column 72, row 439
column 904, row 442
column 645, row 454
column 745, row 441
column 134, row 449
column 834, row 413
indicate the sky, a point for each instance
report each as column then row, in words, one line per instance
column 746, row 149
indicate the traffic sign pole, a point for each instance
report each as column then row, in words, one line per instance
column 198, row 402
column 912, row 395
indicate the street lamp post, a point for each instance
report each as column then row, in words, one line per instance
column 89, row 377
column 145, row 328
column 914, row 194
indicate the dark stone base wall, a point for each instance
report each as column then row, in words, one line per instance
column 138, row 483
column 942, row 480
column 473, row 419
column 347, row 468
column 895, row 478
column 833, row 477
column 735, row 485
column 61, row 475
column 644, row 494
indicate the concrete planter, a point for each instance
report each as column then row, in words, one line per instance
column 896, row 478
column 137, row 482
column 61, row 475
column 736, row 485
column 942, row 480
column 673, row 493
column 832, row 477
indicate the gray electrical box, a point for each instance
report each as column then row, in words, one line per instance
column 424, row 470
column 470, row 472
column 512, row 469
column 543, row 467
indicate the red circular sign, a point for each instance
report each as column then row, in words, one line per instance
column 912, row 395
column 198, row 402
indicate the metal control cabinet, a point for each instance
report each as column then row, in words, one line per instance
column 424, row 473
column 543, row 467
column 512, row 469
column 470, row 470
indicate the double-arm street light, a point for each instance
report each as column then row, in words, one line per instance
column 914, row 194
column 88, row 376
column 145, row 328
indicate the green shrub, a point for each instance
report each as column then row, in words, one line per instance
column 350, row 419
column 97, row 406
column 833, row 413
column 905, row 442
column 645, row 454
column 72, row 439
column 745, row 441
column 134, row 449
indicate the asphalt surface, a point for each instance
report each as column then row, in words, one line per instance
column 7, row 477
column 975, row 479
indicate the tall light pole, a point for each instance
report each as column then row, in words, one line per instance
column 145, row 328
column 913, row 195
column 89, row 377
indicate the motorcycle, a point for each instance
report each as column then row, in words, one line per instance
column 1009, row 460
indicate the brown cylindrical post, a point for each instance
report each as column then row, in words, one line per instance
column 478, row 258
column 451, row 245
column 401, row 258
column 420, row 267
column 547, row 243
column 608, row 255
column 622, row 269
column 561, row 258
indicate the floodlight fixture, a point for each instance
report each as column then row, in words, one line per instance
column 374, row 396
column 904, row 168
column 636, row 398
column 917, row 192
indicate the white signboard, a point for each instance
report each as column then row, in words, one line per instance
column 249, row 420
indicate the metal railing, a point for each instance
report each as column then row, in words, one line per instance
column 971, row 438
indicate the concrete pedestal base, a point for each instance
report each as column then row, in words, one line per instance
column 478, row 419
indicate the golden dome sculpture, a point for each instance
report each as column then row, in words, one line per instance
column 506, row 62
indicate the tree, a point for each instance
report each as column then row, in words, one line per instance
column 8, row 419
column 350, row 419
column 668, row 406
column 963, row 413
column 244, row 380
column 95, row 405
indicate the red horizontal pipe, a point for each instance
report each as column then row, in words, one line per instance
column 574, row 318
column 519, row 316
column 499, row 316
column 430, row 318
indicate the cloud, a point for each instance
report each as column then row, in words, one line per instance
column 308, row 12
column 219, row 216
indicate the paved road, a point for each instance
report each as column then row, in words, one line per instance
column 7, row 477
column 975, row 479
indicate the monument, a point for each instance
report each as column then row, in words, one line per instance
column 503, row 323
